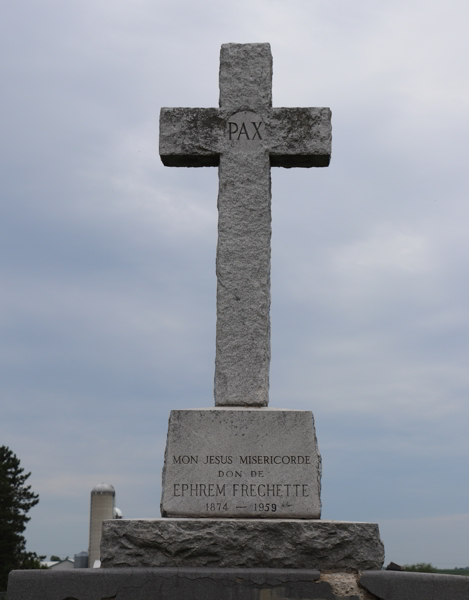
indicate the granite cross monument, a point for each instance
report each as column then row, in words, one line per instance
column 244, row 138
column 242, row 459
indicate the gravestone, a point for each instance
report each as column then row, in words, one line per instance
column 242, row 481
column 260, row 463
column 224, row 462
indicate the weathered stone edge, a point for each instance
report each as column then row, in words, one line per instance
column 399, row 585
column 184, row 584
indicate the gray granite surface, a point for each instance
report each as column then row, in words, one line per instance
column 241, row 462
column 244, row 137
column 280, row 544
column 236, row 584
column 401, row 585
column 245, row 76
column 172, row 584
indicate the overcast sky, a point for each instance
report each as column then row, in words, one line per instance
column 107, row 258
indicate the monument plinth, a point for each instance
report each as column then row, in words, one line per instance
column 241, row 543
column 232, row 462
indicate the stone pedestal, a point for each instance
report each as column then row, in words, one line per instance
column 229, row 543
column 241, row 462
column 235, row 584
column 178, row 584
column 402, row 585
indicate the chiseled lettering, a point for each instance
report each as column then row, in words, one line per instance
column 218, row 460
column 230, row 473
column 234, row 128
column 257, row 473
column 243, row 131
column 275, row 460
column 185, row 460
column 274, row 490
column 207, row 490
column 257, row 132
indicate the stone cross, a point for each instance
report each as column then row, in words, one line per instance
column 244, row 138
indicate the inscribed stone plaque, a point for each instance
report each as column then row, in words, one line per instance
column 232, row 462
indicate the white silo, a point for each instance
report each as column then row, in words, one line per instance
column 103, row 498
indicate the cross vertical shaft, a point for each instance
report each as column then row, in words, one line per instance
column 244, row 230
column 243, row 281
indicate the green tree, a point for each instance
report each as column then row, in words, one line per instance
column 16, row 499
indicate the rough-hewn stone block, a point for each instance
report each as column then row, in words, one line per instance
column 282, row 544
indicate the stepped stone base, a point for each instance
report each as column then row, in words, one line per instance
column 401, row 585
column 266, row 543
column 182, row 584
column 235, row 584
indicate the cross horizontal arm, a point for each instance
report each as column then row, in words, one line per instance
column 293, row 137
column 299, row 137
column 191, row 137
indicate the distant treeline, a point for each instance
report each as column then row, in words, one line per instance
column 429, row 568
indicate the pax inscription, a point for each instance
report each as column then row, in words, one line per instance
column 245, row 126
